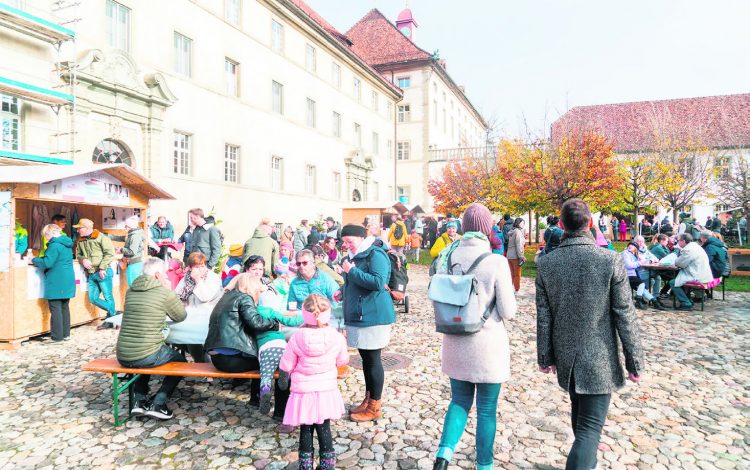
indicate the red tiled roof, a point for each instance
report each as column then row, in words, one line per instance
column 713, row 121
column 377, row 41
column 321, row 21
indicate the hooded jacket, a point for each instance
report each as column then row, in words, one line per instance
column 263, row 245
column 366, row 301
column 300, row 238
column 207, row 240
column 133, row 249
column 147, row 305
column 166, row 233
column 98, row 249
column 312, row 356
column 396, row 242
column 717, row 256
column 57, row 262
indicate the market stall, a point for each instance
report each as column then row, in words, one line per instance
column 29, row 197
column 372, row 211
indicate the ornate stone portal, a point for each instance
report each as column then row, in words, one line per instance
column 358, row 175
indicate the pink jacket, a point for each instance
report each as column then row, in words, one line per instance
column 312, row 356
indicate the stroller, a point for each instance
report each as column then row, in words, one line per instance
column 399, row 279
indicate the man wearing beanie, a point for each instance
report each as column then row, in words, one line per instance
column 479, row 363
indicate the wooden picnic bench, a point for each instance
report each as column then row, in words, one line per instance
column 701, row 288
column 124, row 377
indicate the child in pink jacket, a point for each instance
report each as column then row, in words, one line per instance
column 312, row 357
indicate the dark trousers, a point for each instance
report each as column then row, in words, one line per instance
column 162, row 356
column 372, row 367
column 239, row 363
column 59, row 310
column 588, row 413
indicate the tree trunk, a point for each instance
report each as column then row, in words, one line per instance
column 636, row 227
column 530, row 219
column 537, row 227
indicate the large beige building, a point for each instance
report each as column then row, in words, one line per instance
column 252, row 108
column 436, row 122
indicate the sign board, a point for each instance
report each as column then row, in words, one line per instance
column 97, row 187
column 114, row 217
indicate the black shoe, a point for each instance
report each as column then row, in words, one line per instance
column 105, row 326
column 159, row 411
column 685, row 308
column 639, row 304
column 440, row 464
column 657, row 305
column 140, row 407
column 283, row 380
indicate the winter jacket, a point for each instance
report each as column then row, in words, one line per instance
column 57, row 262
column 632, row 266
column 717, row 256
column 21, row 238
column 314, row 237
column 659, row 251
column 263, row 337
column 334, row 232
column 366, row 301
column 207, row 240
column 231, row 268
column 623, row 226
column 483, row 357
column 582, row 319
column 440, row 244
column 235, row 322
column 300, row 238
column 98, row 249
column 552, row 238
column 263, row 245
column 516, row 243
column 324, row 268
column 312, row 356
column 321, row 283
column 694, row 265
column 147, row 305
column 205, row 295
column 133, row 249
column 166, row 233
column 396, row 242
column 415, row 240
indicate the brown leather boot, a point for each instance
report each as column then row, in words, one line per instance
column 372, row 412
column 362, row 406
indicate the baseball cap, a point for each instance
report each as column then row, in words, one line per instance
column 88, row 223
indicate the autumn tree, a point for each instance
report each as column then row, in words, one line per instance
column 462, row 183
column 734, row 184
column 643, row 174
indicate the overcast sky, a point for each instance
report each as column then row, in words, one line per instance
column 535, row 59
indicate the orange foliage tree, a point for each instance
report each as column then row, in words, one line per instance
column 463, row 182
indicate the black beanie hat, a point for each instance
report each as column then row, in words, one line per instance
column 352, row 230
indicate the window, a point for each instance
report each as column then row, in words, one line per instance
column 403, row 149
column 435, row 113
column 336, row 74
column 183, row 54
column 336, row 124
column 232, row 9
column 310, row 113
column 311, row 58
column 277, row 93
column 277, row 174
column 403, row 191
column 357, row 135
column 445, row 123
column 118, row 26
column 336, row 185
column 375, row 143
column 10, row 122
column 390, row 149
column 404, row 113
column 404, row 82
column 374, row 101
column 310, row 179
column 110, row 151
column 277, row 36
column 232, row 77
column 231, row 161
column 182, row 149
column 357, row 89
column 375, row 193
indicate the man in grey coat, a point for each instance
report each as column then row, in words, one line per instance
column 584, row 303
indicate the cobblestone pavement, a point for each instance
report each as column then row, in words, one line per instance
column 691, row 411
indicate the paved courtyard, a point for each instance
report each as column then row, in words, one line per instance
column 691, row 411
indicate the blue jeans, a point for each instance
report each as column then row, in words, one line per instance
column 98, row 286
column 133, row 271
column 679, row 292
column 162, row 356
column 462, row 398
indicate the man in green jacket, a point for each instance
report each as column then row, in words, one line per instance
column 205, row 237
column 95, row 253
column 262, row 244
column 148, row 303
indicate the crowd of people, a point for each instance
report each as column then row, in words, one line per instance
column 291, row 303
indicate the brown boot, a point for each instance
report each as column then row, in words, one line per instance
column 362, row 406
column 372, row 412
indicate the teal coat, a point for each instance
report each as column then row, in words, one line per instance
column 57, row 262
column 366, row 302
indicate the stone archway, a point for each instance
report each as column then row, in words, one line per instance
column 112, row 151
column 356, row 196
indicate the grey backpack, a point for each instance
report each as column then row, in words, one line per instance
column 456, row 301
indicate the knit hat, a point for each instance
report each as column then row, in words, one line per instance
column 235, row 249
column 451, row 225
column 352, row 230
column 477, row 218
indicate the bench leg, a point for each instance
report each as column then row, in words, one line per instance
column 117, row 389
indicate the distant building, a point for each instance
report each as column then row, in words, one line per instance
column 435, row 121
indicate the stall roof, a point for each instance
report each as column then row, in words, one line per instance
column 402, row 209
column 38, row 174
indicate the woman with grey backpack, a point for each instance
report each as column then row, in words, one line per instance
column 476, row 357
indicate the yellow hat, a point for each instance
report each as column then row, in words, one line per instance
column 235, row 249
column 88, row 223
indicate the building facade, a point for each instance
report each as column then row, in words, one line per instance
column 246, row 108
column 435, row 120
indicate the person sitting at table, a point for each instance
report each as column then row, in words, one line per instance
column 634, row 268
column 716, row 251
column 660, row 249
column 148, row 303
column 161, row 231
column 309, row 280
column 200, row 290
column 694, row 267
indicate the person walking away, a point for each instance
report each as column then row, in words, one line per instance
column 507, row 226
column 515, row 255
column 368, row 313
column 140, row 344
column 132, row 252
column 579, row 327
column 444, row 240
column 552, row 235
column 415, row 242
column 312, row 357
column 477, row 364
column 261, row 244
column 95, row 253
column 398, row 235
column 300, row 235
column 59, row 279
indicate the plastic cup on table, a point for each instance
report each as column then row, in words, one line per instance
column 293, row 306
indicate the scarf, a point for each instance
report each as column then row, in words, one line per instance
column 187, row 290
column 446, row 253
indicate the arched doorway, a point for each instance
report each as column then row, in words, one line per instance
column 112, row 151
column 356, row 196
